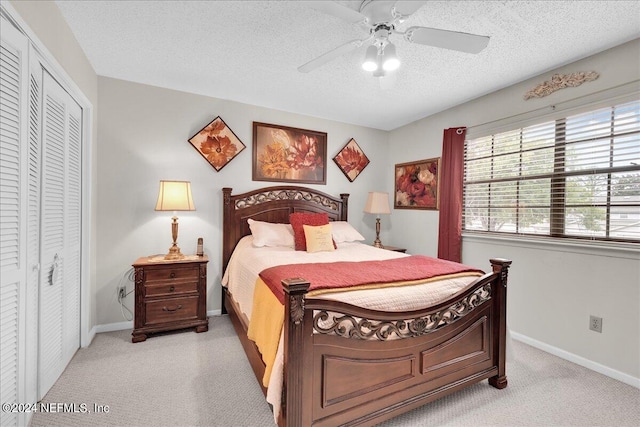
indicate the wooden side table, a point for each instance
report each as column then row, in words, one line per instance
column 169, row 294
column 394, row 248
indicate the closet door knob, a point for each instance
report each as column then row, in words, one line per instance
column 54, row 272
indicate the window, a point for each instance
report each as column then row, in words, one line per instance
column 577, row 177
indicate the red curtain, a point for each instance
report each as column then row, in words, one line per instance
column 451, row 177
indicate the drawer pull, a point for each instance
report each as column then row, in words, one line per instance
column 171, row 310
column 171, row 289
column 172, row 275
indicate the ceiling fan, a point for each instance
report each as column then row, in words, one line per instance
column 381, row 19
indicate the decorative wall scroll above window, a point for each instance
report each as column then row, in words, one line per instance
column 560, row 81
column 217, row 143
column 351, row 160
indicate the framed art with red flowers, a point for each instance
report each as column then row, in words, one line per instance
column 286, row 154
column 351, row 160
column 217, row 143
column 417, row 185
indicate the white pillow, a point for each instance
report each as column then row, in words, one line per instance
column 271, row 234
column 344, row 232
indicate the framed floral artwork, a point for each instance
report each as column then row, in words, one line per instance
column 351, row 160
column 217, row 143
column 417, row 185
column 286, row 154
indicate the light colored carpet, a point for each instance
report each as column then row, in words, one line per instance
column 189, row 379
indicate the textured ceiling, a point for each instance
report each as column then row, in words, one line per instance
column 249, row 51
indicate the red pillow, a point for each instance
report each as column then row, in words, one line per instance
column 298, row 219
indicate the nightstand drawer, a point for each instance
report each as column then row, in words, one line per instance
column 170, row 288
column 171, row 274
column 171, row 309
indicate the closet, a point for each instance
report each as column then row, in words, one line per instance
column 40, row 224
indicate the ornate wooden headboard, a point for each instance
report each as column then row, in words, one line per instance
column 272, row 204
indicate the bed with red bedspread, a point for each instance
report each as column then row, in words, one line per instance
column 351, row 364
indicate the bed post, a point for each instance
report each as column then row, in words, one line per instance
column 501, row 267
column 227, row 218
column 297, row 387
column 345, row 206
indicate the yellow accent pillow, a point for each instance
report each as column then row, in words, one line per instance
column 318, row 238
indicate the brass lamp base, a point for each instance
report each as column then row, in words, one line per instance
column 174, row 250
column 377, row 243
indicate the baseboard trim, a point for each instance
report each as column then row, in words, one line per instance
column 578, row 360
column 121, row 326
column 111, row 327
column 89, row 338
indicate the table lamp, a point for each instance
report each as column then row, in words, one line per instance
column 175, row 196
column 377, row 203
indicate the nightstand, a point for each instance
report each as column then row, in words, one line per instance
column 169, row 294
column 394, row 248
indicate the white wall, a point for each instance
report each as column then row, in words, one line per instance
column 143, row 134
column 553, row 288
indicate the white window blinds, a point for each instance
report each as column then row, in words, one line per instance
column 577, row 176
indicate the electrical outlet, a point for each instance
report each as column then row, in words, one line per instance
column 122, row 292
column 595, row 323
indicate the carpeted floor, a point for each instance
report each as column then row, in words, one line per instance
column 189, row 379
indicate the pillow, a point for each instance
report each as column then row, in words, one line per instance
column 271, row 234
column 342, row 231
column 318, row 238
column 298, row 219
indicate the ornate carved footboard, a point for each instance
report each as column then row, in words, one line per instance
column 345, row 365
column 335, row 374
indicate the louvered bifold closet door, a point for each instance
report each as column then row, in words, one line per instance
column 33, row 228
column 13, row 264
column 60, row 236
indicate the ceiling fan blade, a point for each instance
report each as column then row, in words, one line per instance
column 330, row 56
column 463, row 42
column 337, row 10
column 407, row 7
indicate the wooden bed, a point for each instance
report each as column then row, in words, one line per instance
column 332, row 380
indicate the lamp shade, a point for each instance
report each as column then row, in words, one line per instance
column 391, row 61
column 175, row 196
column 370, row 57
column 377, row 203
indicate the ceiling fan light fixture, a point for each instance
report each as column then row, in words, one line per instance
column 390, row 61
column 380, row 19
column 370, row 59
column 379, row 71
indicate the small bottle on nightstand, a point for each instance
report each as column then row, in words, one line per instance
column 200, row 249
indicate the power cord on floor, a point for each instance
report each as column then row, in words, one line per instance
column 126, row 278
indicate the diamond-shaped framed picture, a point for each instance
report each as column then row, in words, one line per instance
column 217, row 143
column 351, row 160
